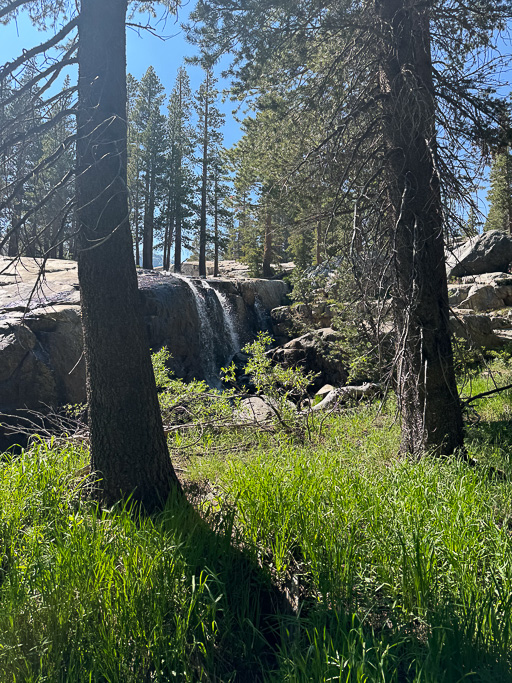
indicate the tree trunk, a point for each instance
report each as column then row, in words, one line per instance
column 267, row 248
column 149, row 211
column 128, row 446
column 426, row 386
column 216, row 228
column 136, row 217
column 177, row 241
column 14, row 240
column 318, row 257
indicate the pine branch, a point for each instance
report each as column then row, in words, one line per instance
column 12, row 6
column 43, row 165
column 67, row 60
column 36, row 130
column 9, row 67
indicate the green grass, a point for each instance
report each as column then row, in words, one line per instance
column 392, row 570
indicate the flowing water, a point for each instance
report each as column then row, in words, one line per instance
column 228, row 320
column 206, row 331
column 220, row 353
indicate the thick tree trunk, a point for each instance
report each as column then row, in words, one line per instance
column 128, row 446
column 426, row 386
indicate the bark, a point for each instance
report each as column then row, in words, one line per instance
column 128, row 447
column 426, row 386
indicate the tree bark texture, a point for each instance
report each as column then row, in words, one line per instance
column 426, row 386
column 128, row 446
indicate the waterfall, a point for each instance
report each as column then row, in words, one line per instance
column 228, row 320
column 206, row 332
column 219, row 341
column 261, row 316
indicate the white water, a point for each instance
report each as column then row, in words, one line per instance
column 228, row 321
column 205, row 330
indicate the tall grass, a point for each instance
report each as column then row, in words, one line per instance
column 404, row 569
column 100, row 595
column 392, row 570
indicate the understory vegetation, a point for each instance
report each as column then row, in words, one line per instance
column 315, row 557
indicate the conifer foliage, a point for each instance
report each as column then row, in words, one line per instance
column 500, row 193
column 398, row 110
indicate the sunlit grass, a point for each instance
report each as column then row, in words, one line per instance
column 390, row 570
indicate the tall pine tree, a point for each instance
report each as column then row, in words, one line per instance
column 209, row 135
column 179, row 179
column 149, row 124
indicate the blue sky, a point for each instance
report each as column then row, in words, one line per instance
column 165, row 54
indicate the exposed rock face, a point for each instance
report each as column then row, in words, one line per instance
column 486, row 253
column 40, row 336
column 288, row 321
column 316, row 352
column 478, row 330
column 203, row 323
column 486, row 292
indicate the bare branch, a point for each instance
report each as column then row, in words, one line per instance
column 9, row 67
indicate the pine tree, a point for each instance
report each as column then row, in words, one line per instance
column 128, row 448
column 149, row 124
column 366, row 70
column 218, row 202
column 128, row 445
column 209, row 134
column 52, row 224
column 135, row 182
column 500, row 194
column 179, row 179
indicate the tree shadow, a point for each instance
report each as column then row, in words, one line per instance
column 250, row 607
column 497, row 433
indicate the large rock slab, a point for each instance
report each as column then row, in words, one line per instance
column 485, row 292
column 202, row 323
column 290, row 321
column 486, row 253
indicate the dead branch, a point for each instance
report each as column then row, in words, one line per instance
column 10, row 67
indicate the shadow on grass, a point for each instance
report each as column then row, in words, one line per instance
column 495, row 435
column 249, row 607
column 262, row 639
